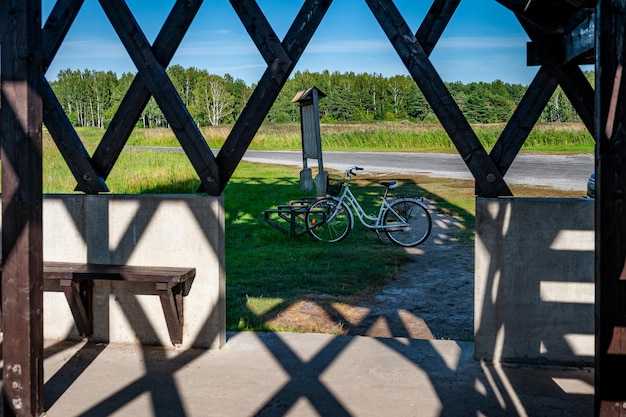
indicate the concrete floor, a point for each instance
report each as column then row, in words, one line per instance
column 287, row 374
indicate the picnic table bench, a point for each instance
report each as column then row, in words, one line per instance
column 76, row 280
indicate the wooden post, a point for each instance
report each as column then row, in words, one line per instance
column 610, row 398
column 22, row 255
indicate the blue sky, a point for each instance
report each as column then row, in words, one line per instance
column 483, row 42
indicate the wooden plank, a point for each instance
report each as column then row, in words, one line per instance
column 268, row 88
column 164, row 93
column 170, row 275
column 138, row 95
column 610, row 391
column 489, row 181
column 22, row 252
column 524, row 118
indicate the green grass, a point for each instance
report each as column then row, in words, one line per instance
column 379, row 137
column 267, row 271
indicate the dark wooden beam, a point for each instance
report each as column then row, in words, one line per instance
column 524, row 118
column 272, row 81
column 63, row 133
column 579, row 92
column 262, row 34
column 577, row 46
column 610, row 390
column 22, row 252
column 550, row 17
column 56, row 27
column 138, row 94
column 69, row 144
column 489, row 181
column 164, row 92
column 435, row 22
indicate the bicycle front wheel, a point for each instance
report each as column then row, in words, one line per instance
column 407, row 222
column 329, row 221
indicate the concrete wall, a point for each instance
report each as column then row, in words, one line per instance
column 163, row 230
column 534, row 290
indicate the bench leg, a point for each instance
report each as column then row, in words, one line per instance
column 172, row 303
column 79, row 296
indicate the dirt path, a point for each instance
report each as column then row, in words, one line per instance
column 431, row 297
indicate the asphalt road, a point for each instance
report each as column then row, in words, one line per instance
column 565, row 172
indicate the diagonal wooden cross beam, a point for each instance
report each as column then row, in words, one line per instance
column 164, row 92
column 281, row 59
column 576, row 88
column 134, row 102
column 554, row 71
column 262, row 35
column 489, row 180
column 435, row 22
column 579, row 92
column 524, row 119
column 63, row 133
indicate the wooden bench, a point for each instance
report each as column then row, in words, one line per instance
column 76, row 280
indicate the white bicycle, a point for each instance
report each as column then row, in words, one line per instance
column 405, row 220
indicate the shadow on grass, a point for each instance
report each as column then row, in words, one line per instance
column 270, row 274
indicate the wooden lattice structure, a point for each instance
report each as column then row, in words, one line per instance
column 563, row 33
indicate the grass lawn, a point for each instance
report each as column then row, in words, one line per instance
column 266, row 269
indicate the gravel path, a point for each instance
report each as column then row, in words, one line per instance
column 431, row 297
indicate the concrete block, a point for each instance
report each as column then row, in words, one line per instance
column 162, row 230
column 534, row 272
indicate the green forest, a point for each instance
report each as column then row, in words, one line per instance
column 90, row 98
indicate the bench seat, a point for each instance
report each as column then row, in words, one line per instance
column 76, row 280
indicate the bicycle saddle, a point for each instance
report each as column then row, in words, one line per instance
column 390, row 185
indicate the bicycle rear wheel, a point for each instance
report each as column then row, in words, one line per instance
column 407, row 222
column 328, row 221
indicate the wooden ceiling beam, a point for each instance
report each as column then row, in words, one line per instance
column 577, row 46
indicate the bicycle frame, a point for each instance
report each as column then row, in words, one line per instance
column 346, row 196
column 330, row 219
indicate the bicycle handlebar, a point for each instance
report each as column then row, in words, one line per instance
column 350, row 171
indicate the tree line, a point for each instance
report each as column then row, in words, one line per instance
column 91, row 98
